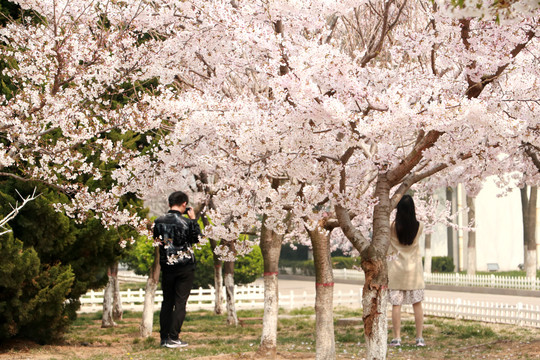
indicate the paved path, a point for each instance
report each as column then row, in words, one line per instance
column 286, row 285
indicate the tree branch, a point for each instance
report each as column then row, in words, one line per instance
column 533, row 155
column 20, row 178
column 414, row 157
column 15, row 210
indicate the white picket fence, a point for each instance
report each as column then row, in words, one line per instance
column 493, row 281
column 456, row 279
column 252, row 296
column 456, row 308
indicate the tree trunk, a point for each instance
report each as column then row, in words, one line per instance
column 228, row 268
column 218, row 281
column 117, row 311
column 324, row 298
column 427, row 254
column 107, row 319
column 471, row 244
column 270, row 243
column 528, row 205
column 374, row 298
column 452, row 234
column 147, row 322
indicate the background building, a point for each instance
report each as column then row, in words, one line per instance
column 499, row 228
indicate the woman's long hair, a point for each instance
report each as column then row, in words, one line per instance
column 406, row 223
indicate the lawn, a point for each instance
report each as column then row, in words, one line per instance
column 210, row 338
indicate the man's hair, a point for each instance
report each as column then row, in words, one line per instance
column 177, row 198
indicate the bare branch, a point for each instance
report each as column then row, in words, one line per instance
column 15, row 210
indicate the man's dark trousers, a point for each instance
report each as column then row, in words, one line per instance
column 176, row 287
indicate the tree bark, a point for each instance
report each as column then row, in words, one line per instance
column 228, row 268
column 471, row 244
column 324, row 290
column 218, row 275
column 218, row 281
column 374, row 298
column 117, row 311
column 147, row 322
column 528, row 205
column 107, row 319
column 427, row 254
column 270, row 243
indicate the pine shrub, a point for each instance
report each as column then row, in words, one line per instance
column 32, row 295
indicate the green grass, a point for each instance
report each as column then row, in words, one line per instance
column 209, row 335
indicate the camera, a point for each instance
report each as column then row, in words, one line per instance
column 187, row 209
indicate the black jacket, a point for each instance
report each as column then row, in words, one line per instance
column 176, row 234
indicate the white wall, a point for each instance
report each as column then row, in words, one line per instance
column 499, row 235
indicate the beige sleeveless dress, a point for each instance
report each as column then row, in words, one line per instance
column 405, row 270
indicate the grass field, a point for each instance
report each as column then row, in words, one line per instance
column 210, row 338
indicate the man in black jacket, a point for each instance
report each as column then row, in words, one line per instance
column 176, row 235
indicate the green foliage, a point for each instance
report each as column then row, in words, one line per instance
column 442, row 264
column 8, row 10
column 299, row 252
column 306, row 267
column 62, row 260
column 32, row 294
column 87, row 247
column 246, row 269
column 140, row 257
column 345, row 262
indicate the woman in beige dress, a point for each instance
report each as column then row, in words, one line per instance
column 405, row 271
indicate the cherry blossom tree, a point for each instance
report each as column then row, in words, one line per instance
column 413, row 93
column 295, row 106
column 82, row 82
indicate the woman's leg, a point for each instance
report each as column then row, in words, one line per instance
column 396, row 321
column 418, row 319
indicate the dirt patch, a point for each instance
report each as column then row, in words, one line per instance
column 254, row 356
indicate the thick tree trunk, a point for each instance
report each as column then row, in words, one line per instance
column 427, row 254
column 107, row 319
column 374, row 298
column 218, row 281
column 147, row 322
column 528, row 205
column 324, row 298
column 471, row 244
column 232, row 319
column 270, row 243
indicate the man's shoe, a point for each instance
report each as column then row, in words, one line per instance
column 178, row 342
column 169, row 344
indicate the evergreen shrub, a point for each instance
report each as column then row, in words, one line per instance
column 246, row 268
column 442, row 264
column 32, row 294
